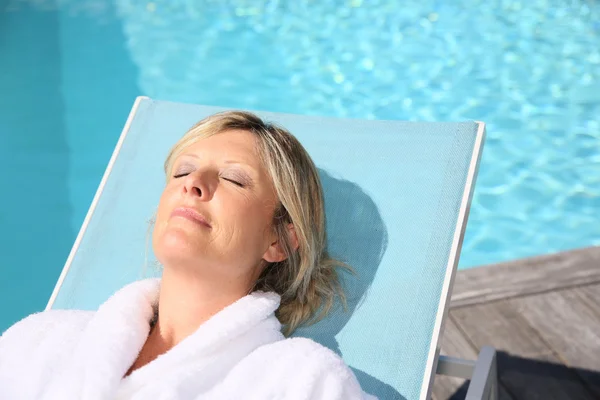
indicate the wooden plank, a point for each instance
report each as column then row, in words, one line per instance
column 591, row 295
column 447, row 387
column 527, row 276
column 567, row 322
column 498, row 324
column 454, row 344
column 527, row 366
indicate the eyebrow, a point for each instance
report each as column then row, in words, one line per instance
column 225, row 162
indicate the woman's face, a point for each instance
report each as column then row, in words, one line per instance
column 215, row 213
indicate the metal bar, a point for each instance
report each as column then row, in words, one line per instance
column 456, row 367
column 484, row 382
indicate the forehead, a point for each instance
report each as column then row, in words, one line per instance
column 239, row 144
column 233, row 146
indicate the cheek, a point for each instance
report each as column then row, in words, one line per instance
column 162, row 214
column 249, row 213
column 243, row 223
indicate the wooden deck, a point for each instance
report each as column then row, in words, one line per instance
column 543, row 317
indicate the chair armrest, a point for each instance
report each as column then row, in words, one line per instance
column 456, row 367
column 484, row 382
column 482, row 373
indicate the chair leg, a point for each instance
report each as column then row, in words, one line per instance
column 484, row 382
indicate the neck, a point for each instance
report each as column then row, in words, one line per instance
column 186, row 301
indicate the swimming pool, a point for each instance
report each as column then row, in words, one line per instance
column 70, row 70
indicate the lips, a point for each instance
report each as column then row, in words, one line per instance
column 192, row 215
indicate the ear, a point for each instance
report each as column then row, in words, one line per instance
column 275, row 252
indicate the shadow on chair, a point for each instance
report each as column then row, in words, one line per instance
column 356, row 235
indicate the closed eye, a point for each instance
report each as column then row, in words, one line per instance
column 181, row 175
column 234, row 182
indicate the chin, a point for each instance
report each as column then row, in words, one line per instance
column 178, row 246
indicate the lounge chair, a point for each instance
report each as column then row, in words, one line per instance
column 397, row 197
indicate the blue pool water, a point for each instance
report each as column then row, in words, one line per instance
column 70, row 70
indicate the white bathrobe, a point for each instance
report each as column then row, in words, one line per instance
column 239, row 353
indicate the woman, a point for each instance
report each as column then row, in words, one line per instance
column 240, row 233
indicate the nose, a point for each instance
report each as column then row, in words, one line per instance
column 197, row 185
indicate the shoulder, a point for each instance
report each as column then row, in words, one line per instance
column 307, row 350
column 35, row 347
column 49, row 319
column 44, row 328
column 307, row 365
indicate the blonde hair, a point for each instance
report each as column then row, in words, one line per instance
column 307, row 280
